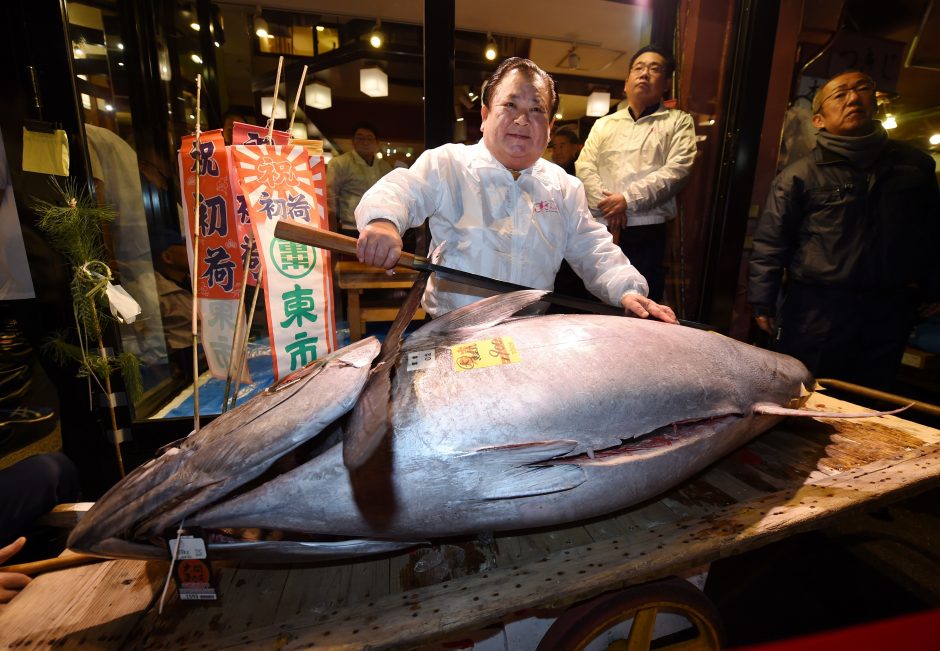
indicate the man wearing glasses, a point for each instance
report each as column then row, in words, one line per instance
column 636, row 160
column 848, row 245
column 348, row 176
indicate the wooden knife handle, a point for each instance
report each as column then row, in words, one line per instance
column 305, row 234
column 67, row 559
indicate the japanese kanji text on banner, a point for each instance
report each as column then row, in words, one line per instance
column 282, row 182
column 218, row 266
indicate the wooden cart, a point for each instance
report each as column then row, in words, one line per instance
column 796, row 477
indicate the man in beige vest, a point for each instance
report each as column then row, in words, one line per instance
column 348, row 176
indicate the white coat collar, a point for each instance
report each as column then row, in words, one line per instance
column 481, row 158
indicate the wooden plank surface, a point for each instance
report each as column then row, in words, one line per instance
column 90, row 607
column 794, row 478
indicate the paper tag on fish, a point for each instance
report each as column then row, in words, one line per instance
column 487, row 352
column 189, row 547
column 191, row 568
column 420, row 359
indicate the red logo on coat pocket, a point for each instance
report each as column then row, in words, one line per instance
column 546, row 206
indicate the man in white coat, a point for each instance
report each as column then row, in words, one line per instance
column 634, row 162
column 499, row 208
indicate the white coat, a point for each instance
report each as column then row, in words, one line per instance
column 516, row 230
column 647, row 160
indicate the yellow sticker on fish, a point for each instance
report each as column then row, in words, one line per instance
column 488, row 352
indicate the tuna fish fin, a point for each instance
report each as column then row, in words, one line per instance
column 370, row 422
column 777, row 410
column 531, row 480
column 511, row 471
column 476, row 316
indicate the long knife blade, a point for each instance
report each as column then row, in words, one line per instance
column 304, row 234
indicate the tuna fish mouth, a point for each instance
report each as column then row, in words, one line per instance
column 246, row 542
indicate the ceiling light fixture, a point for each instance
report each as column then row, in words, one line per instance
column 260, row 24
column 280, row 111
column 299, row 131
column 196, row 58
column 318, row 96
column 935, row 139
column 194, row 26
column 890, row 122
column 216, row 32
column 376, row 38
column 598, row 103
column 490, row 52
column 373, row 82
column 574, row 60
column 571, row 59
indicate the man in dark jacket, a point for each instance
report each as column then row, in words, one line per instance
column 850, row 240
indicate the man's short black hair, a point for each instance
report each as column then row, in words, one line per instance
column 572, row 137
column 528, row 68
column 367, row 126
column 655, row 49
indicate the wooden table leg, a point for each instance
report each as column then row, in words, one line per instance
column 352, row 314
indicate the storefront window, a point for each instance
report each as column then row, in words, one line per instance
column 119, row 174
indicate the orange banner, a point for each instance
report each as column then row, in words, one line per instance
column 218, row 268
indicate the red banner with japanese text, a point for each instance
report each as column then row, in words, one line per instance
column 218, row 266
column 249, row 134
column 279, row 183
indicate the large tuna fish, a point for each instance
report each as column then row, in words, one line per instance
column 496, row 424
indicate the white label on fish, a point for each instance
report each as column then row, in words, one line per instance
column 189, row 547
column 420, row 359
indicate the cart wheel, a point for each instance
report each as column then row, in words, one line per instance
column 578, row 626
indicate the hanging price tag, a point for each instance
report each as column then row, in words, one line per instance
column 192, row 570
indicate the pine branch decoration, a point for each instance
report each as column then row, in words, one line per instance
column 75, row 227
